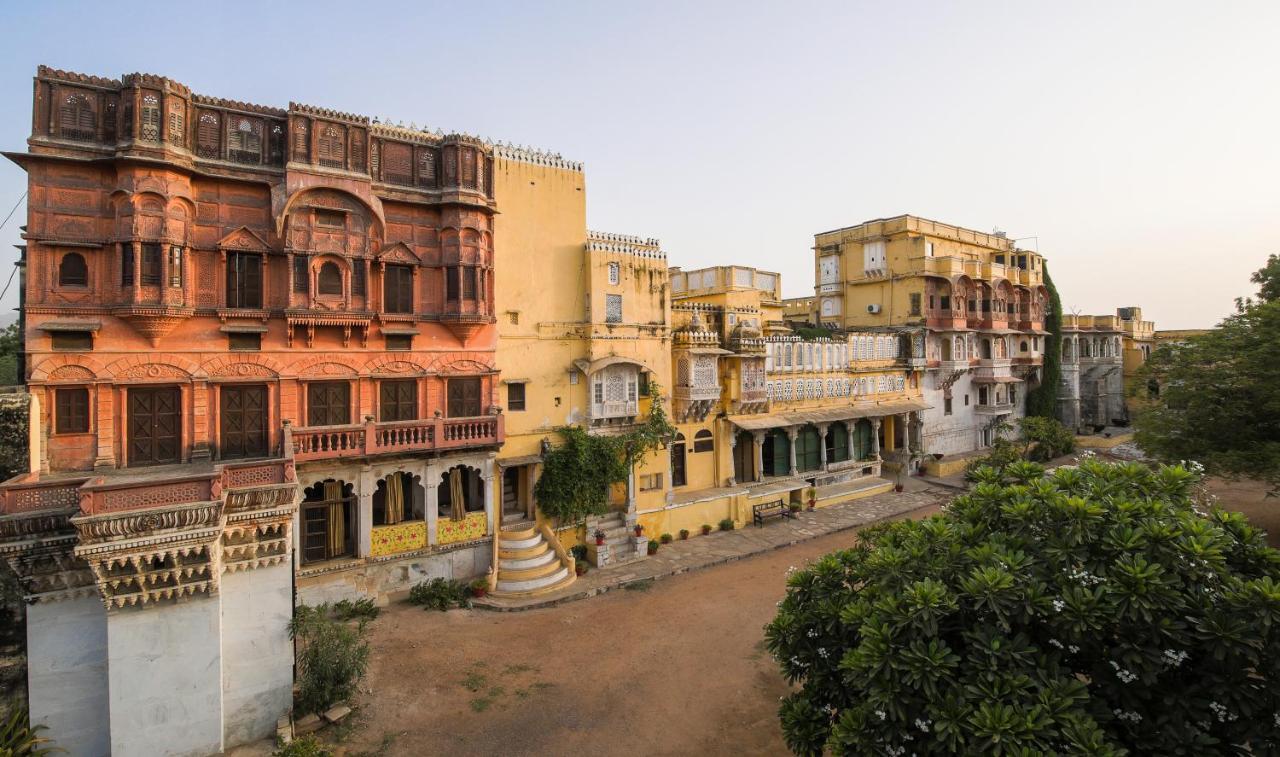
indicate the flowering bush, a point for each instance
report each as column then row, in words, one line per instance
column 1095, row 610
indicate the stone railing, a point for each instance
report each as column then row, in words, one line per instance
column 374, row 438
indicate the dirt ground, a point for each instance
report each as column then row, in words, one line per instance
column 1250, row 498
column 677, row 668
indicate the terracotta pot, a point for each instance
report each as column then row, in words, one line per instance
column 599, row 541
column 897, row 488
column 478, row 592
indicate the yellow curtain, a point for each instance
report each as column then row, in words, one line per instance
column 455, row 495
column 337, row 517
column 395, row 499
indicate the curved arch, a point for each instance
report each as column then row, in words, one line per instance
column 329, row 278
column 230, row 365
column 141, row 366
column 307, row 366
column 397, row 364
column 461, row 366
column 45, row 369
column 373, row 204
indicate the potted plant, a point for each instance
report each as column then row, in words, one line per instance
column 726, row 524
column 897, row 480
column 639, row 529
column 684, row 534
column 579, row 552
column 794, row 507
column 665, row 538
column 653, row 547
column 599, row 538
column 581, row 568
column 479, row 588
column 813, row 501
column 706, row 528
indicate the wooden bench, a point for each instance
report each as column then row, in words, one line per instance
column 778, row 509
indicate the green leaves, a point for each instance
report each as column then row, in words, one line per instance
column 1092, row 611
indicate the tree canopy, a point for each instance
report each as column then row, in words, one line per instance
column 1096, row 610
column 1219, row 399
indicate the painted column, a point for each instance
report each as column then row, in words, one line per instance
column 757, row 450
column 852, row 427
column 822, row 444
column 792, row 433
column 875, row 438
column 486, row 477
column 432, row 483
column 365, row 487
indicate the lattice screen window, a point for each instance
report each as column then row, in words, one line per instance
column 682, row 372
column 178, row 123
column 244, row 143
column 613, row 308
column 150, row 130
column 426, row 167
column 76, row 118
column 277, row 144
column 704, row 372
column 109, row 120
column 209, row 136
column 615, row 273
column 300, row 151
column 397, row 167
column 357, row 150
column 469, row 169
column 332, row 147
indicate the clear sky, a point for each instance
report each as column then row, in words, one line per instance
column 1137, row 142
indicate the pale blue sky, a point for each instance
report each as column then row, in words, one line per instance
column 1137, row 141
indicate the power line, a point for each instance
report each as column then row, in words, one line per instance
column 15, row 210
column 7, row 283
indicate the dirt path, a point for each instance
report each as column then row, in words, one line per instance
column 678, row 668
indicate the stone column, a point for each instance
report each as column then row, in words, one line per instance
column 852, row 427
column 365, row 487
column 486, row 477
column 792, row 433
column 432, row 484
column 875, row 438
column 757, row 450
column 202, row 440
column 733, row 468
column 822, row 444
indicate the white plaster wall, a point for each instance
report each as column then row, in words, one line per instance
column 165, row 667
column 257, row 654
column 67, row 673
column 378, row 579
column 950, row 434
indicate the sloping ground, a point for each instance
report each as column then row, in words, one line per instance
column 675, row 668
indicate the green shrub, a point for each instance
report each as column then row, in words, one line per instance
column 579, row 552
column 332, row 657
column 360, row 609
column 1003, row 454
column 440, row 594
column 653, row 547
column 1045, row 438
column 18, row 738
column 303, row 746
column 1099, row 610
column 684, row 534
column 706, row 528
column 665, row 538
column 726, row 524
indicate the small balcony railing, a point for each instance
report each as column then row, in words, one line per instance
column 697, row 392
column 377, row 438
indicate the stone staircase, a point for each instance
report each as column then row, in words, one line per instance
column 528, row 565
column 618, row 538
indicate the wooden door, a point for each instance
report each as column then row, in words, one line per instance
column 677, row 464
column 243, row 411
column 155, row 425
column 511, row 490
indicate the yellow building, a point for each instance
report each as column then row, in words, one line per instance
column 980, row 300
column 1138, row 339
column 583, row 327
column 765, row 416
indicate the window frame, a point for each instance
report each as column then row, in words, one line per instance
column 395, row 404
column 237, row 273
column 397, row 289
column 66, row 411
column 464, row 402
column 151, row 264
column 321, row 288
column 64, row 336
column 516, row 404
column 330, row 409
column 704, row 441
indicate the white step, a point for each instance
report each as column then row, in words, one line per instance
column 528, row 562
column 534, row 583
column 532, row 541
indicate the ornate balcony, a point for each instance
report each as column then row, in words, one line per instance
column 374, row 438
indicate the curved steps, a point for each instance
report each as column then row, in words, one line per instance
column 528, row 566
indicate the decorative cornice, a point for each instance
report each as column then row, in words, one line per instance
column 218, row 102
column 146, row 524
column 71, row 77
column 601, row 241
column 326, row 113
column 534, row 156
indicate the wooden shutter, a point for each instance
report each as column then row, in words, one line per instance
column 398, row 400
column 328, row 403
column 72, row 410
column 464, row 397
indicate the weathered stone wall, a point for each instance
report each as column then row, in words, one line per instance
column 67, row 673
column 257, row 654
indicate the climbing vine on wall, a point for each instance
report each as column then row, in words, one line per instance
column 577, row 475
column 14, row 434
column 1043, row 400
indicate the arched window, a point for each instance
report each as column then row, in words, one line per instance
column 702, row 441
column 330, row 279
column 1023, row 346
column 73, row 272
column 76, row 119
column 150, row 126
column 208, row 135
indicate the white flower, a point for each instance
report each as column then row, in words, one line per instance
column 1125, row 676
column 924, row 724
column 1175, row 658
column 822, row 652
column 1056, row 643
column 1058, row 605
column 880, row 714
